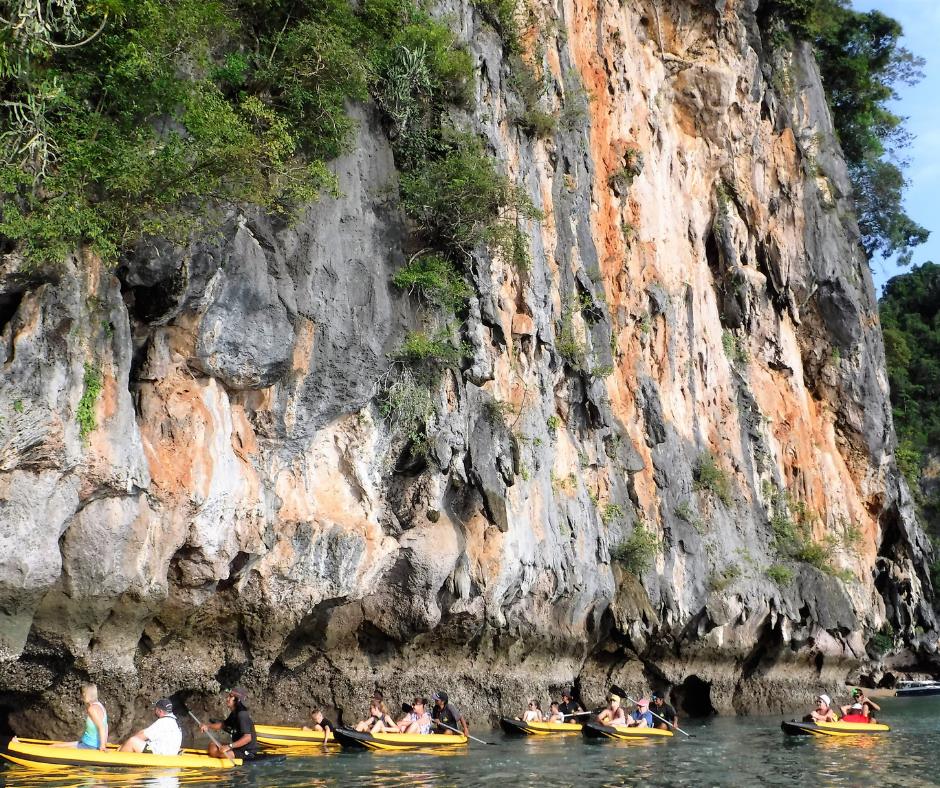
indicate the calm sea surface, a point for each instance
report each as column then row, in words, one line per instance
column 725, row 751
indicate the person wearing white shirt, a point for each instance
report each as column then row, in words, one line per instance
column 162, row 737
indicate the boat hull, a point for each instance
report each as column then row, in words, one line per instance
column 519, row 728
column 795, row 728
column 596, row 730
column 283, row 737
column 354, row 740
column 916, row 692
column 43, row 756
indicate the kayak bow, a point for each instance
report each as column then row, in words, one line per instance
column 794, row 728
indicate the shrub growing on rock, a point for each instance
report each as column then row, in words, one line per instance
column 637, row 552
column 708, row 476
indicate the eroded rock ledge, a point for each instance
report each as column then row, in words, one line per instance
column 242, row 512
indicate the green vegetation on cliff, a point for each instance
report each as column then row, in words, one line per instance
column 910, row 320
column 125, row 118
column 861, row 61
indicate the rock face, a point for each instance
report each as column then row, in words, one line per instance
column 694, row 351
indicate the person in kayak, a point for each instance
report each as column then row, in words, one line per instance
column 569, row 706
column 823, row 711
column 867, row 703
column 856, row 713
column 641, row 717
column 379, row 719
column 238, row 725
column 613, row 714
column 162, row 737
column 321, row 724
column 533, row 713
column 554, row 713
column 658, row 704
column 95, row 735
column 417, row 720
column 446, row 717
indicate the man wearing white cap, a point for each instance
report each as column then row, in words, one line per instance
column 823, row 713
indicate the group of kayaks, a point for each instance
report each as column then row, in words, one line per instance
column 278, row 741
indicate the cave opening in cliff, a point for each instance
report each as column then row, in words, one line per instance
column 9, row 304
column 5, row 728
column 693, row 697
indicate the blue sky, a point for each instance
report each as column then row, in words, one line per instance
column 921, row 105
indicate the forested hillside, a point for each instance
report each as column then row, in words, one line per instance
column 910, row 318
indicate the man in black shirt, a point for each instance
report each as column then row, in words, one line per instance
column 446, row 717
column 569, row 706
column 659, row 706
column 238, row 725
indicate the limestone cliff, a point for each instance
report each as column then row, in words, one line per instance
column 693, row 352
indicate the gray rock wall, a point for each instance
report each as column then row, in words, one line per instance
column 242, row 512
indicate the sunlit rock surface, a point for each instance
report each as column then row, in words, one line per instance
column 243, row 513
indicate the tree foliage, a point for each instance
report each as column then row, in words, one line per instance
column 910, row 321
column 861, row 62
column 125, row 118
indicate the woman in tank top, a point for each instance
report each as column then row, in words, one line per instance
column 95, row 735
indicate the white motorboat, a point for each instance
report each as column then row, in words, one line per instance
column 914, row 689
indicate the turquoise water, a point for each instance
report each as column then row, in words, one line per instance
column 725, row 751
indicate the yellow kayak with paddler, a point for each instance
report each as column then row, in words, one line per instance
column 514, row 727
column 795, row 728
column 42, row 755
column 284, row 738
column 597, row 730
column 356, row 740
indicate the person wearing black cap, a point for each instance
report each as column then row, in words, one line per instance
column 238, row 725
column 659, row 706
column 446, row 717
column 569, row 706
column 162, row 737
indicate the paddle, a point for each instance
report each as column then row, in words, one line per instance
column 579, row 713
column 212, row 738
column 493, row 743
column 618, row 691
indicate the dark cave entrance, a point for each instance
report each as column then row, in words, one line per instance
column 692, row 698
column 9, row 304
column 6, row 730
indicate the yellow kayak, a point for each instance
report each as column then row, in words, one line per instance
column 282, row 737
column 519, row 728
column 351, row 739
column 596, row 730
column 42, row 755
column 794, row 728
